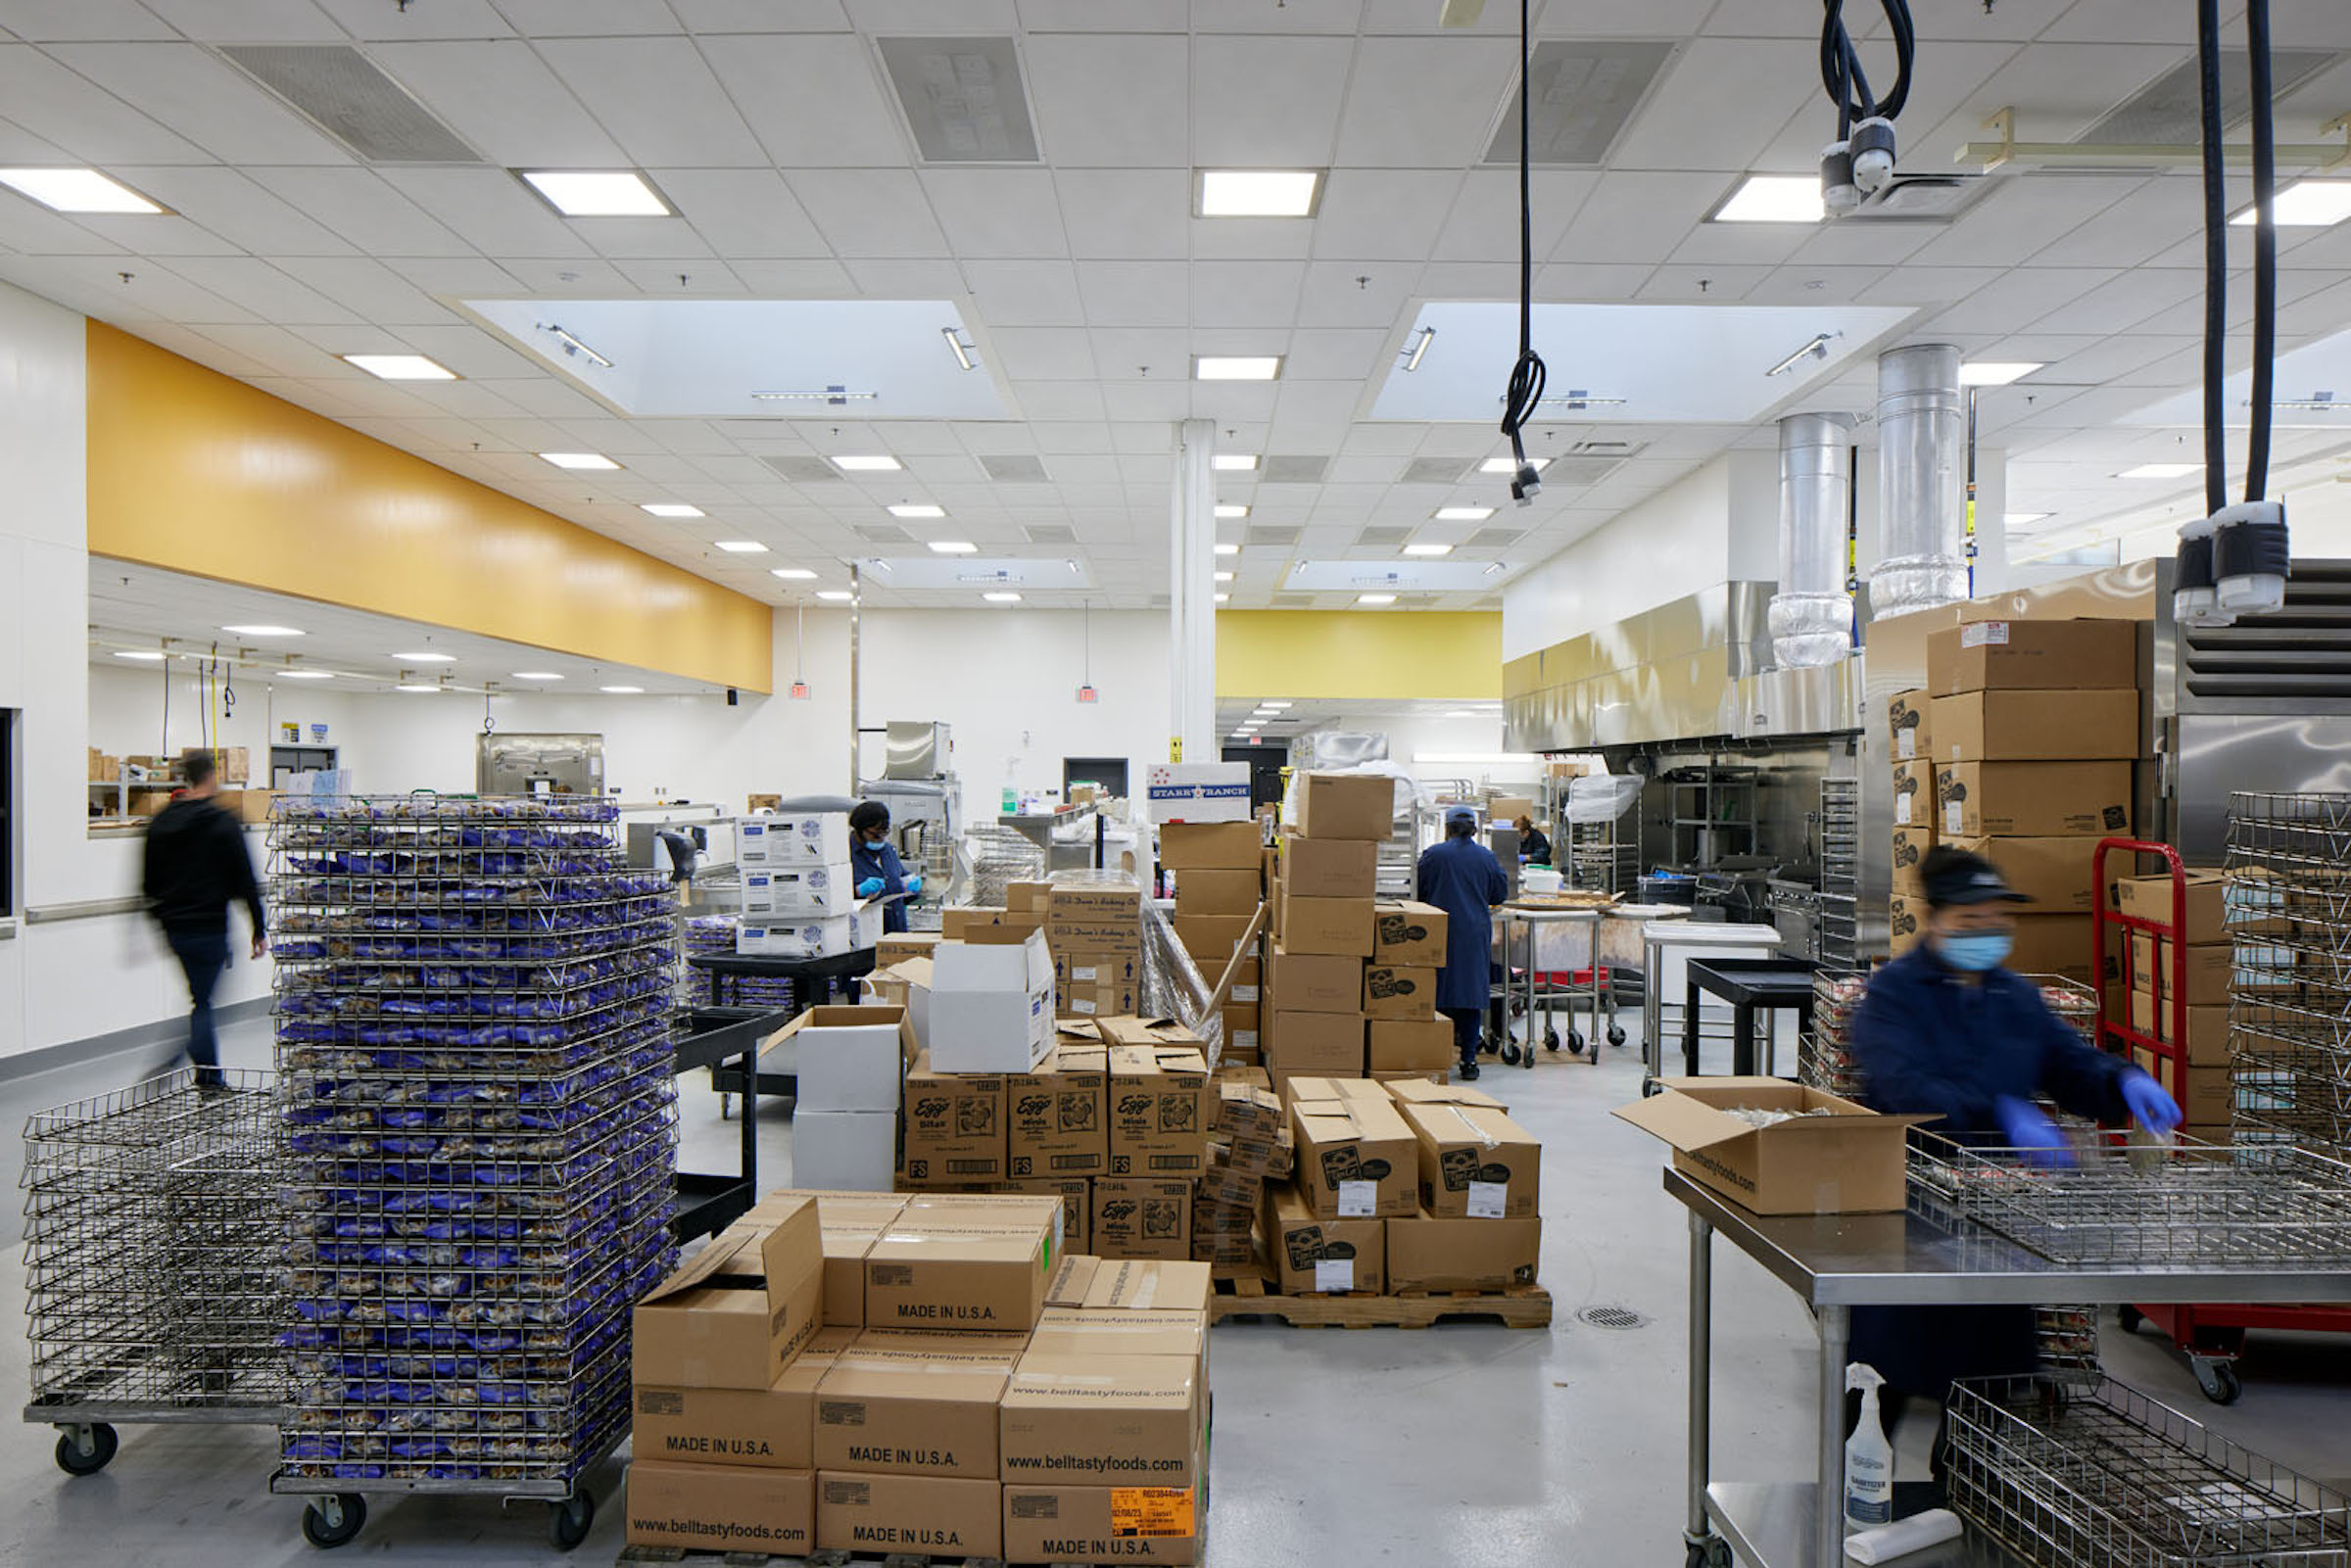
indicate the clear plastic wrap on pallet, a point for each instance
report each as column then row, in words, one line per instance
column 474, row 1082
column 1174, row 986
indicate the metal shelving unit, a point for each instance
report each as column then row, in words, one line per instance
column 1839, row 872
column 1712, row 813
column 151, row 1261
column 474, row 1065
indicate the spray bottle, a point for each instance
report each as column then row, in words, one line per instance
column 1012, row 788
column 1868, row 1456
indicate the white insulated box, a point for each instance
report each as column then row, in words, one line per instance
column 809, row 936
column 845, row 1151
column 1197, row 791
column 818, row 838
column 992, row 1004
column 789, row 888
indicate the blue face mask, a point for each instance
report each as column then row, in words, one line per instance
column 1975, row 953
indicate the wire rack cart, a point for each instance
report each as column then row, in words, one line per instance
column 475, row 1076
column 2081, row 1472
column 1938, row 1254
column 151, row 1261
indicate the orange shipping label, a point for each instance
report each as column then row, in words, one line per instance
column 1151, row 1511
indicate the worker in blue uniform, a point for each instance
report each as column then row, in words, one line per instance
column 1460, row 877
column 1947, row 1029
column 875, row 863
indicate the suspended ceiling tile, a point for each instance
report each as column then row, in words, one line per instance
column 501, row 96
column 220, row 109
column 658, row 98
column 63, row 106
column 869, row 211
column 812, row 101
column 1110, row 99
column 1113, row 212
column 1009, row 213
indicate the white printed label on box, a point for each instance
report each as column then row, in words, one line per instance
column 1358, row 1200
column 1244, row 993
column 1244, row 1039
column 1955, row 820
column 1334, row 1273
column 1902, row 811
column 1082, row 1004
column 1488, row 1198
column 1086, row 971
column 1984, row 633
column 1905, row 745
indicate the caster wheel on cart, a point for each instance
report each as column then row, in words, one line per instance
column 331, row 1522
column 570, row 1521
column 1575, row 1042
column 1550, row 1039
column 2130, row 1318
column 1510, row 1054
column 2219, row 1381
column 1712, row 1553
column 1615, row 1035
column 85, row 1449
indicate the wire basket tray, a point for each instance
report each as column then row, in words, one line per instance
column 2191, row 1206
column 151, row 1253
column 2081, row 1472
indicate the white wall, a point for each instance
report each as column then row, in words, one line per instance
column 61, row 980
column 132, row 714
column 1007, row 683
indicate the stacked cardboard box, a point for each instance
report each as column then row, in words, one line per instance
column 1095, row 931
column 973, row 1394
column 1110, row 1121
column 1409, row 1186
column 1219, row 885
column 798, row 893
column 2193, row 1067
column 2031, row 727
column 1324, row 881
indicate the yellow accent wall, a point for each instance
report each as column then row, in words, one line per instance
column 1359, row 654
column 198, row 472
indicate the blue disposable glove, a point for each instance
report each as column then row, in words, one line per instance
column 914, row 888
column 2150, row 1107
column 869, row 887
column 2033, row 1136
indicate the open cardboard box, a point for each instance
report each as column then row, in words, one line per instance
column 1848, row 1162
column 737, row 1312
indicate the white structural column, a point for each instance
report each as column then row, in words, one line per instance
column 1192, row 595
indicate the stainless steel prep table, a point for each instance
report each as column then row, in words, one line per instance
column 1836, row 1263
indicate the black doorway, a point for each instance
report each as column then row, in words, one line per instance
column 1106, row 774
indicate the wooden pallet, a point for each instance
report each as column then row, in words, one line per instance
column 1248, row 1301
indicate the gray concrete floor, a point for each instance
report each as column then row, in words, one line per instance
column 1470, row 1444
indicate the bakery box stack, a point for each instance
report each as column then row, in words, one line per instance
column 924, row 1375
column 798, row 891
column 1109, row 1119
column 1406, row 1186
column 849, row 1064
column 1220, row 874
column 1350, row 983
column 1094, row 929
column 2023, row 740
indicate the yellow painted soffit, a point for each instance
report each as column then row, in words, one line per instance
column 1359, row 654
column 198, row 472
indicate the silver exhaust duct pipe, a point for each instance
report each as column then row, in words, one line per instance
column 1812, row 615
column 1922, row 518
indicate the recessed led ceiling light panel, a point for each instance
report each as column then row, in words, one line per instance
column 590, row 193
column 77, row 190
column 1237, row 366
column 1772, row 199
column 400, row 366
column 1258, row 192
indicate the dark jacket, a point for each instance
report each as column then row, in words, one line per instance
column 1462, row 878
column 1927, row 1041
column 196, row 866
column 881, row 860
column 1535, row 847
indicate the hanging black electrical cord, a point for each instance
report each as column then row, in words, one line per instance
column 2215, row 255
column 1840, row 73
column 1524, row 395
column 2265, row 249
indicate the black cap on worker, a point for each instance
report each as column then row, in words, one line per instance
column 868, row 815
column 1957, row 877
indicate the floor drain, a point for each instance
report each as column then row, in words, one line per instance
column 1610, row 1317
